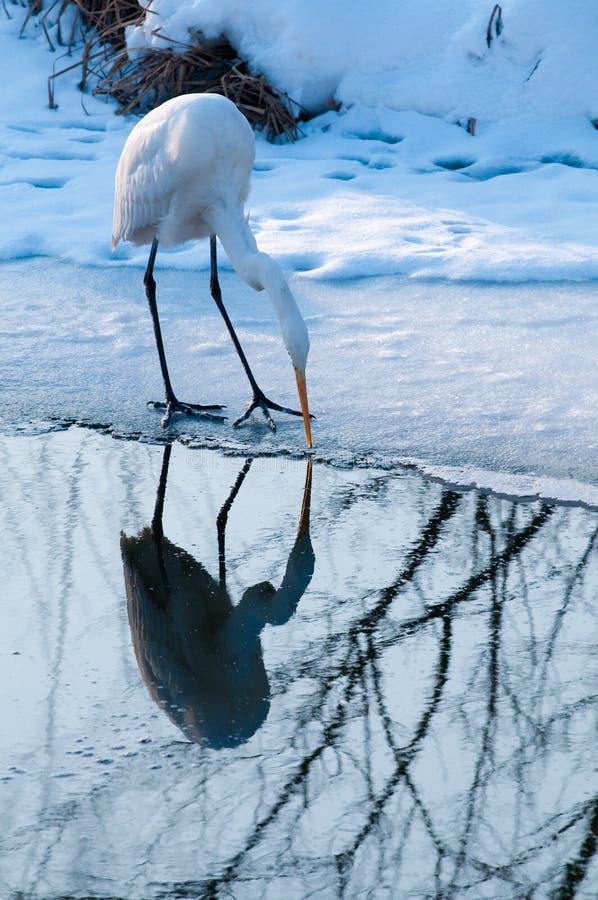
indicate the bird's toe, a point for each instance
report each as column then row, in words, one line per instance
column 187, row 409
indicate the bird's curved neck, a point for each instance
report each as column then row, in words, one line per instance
column 262, row 272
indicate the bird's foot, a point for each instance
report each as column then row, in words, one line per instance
column 260, row 401
column 187, row 409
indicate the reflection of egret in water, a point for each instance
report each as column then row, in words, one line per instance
column 199, row 654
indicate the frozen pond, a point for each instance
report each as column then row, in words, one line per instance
column 487, row 384
column 272, row 679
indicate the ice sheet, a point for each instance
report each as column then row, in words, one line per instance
column 498, row 378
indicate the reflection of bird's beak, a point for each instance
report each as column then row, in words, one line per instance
column 305, row 508
column 302, row 390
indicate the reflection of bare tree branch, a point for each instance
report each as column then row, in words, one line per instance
column 353, row 666
column 440, row 722
column 367, row 623
column 291, row 786
column 578, row 572
column 404, row 756
column 475, row 582
column 64, row 610
column 487, row 743
column 430, row 536
column 576, row 869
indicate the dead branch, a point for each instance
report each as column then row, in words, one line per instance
column 496, row 21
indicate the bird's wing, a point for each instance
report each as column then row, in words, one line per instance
column 144, row 185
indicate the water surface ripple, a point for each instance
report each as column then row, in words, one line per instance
column 273, row 678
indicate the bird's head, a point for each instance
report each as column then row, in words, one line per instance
column 262, row 272
column 296, row 340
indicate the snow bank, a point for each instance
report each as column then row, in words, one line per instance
column 432, row 57
column 389, row 185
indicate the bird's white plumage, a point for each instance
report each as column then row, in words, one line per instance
column 191, row 153
column 184, row 174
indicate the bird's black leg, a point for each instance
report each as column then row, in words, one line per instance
column 259, row 399
column 171, row 404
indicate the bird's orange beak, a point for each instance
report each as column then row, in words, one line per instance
column 302, row 391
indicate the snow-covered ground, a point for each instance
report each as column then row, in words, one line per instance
column 494, row 375
column 389, row 185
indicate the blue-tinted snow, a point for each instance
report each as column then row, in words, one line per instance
column 406, row 240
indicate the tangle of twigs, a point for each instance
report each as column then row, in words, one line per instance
column 141, row 81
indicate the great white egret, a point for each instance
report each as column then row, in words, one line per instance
column 184, row 174
column 199, row 653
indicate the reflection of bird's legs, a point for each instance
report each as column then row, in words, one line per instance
column 223, row 517
column 157, row 527
column 259, row 399
column 171, row 405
